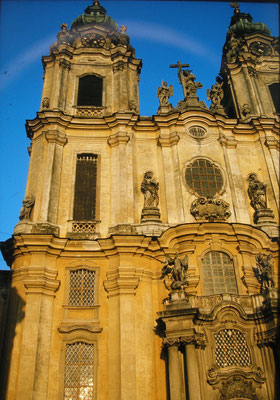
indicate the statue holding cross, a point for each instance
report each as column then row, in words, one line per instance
column 186, row 78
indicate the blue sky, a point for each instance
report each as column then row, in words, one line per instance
column 162, row 32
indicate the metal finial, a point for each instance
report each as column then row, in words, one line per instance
column 236, row 6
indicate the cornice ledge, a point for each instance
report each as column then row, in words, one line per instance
column 118, row 138
column 272, row 143
column 80, row 327
column 227, row 141
column 168, row 140
column 54, row 136
column 123, row 280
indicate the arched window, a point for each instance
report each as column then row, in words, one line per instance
column 218, row 273
column 79, row 371
column 90, row 91
column 85, row 187
column 275, row 94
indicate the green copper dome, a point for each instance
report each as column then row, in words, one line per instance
column 242, row 24
column 95, row 14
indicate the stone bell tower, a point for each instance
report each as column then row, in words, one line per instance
column 250, row 68
column 92, row 69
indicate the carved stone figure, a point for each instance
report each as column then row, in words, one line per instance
column 178, row 271
column 216, row 94
column 246, row 109
column 233, row 48
column 149, row 187
column 27, row 205
column 189, row 85
column 163, row 93
column 45, row 102
column 133, row 105
column 257, row 192
column 264, row 271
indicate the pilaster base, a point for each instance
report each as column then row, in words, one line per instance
column 264, row 219
column 150, row 215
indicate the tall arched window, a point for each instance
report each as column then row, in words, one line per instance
column 274, row 91
column 218, row 273
column 90, row 91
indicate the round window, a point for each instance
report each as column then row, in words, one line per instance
column 204, row 178
column 197, row 132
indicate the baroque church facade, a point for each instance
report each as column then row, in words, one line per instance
column 145, row 261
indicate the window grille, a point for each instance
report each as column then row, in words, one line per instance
column 231, row 349
column 90, row 91
column 85, row 188
column 82, row 288
column 197, row 131
column 78, row 380
column 204, row 178
column 218, row 273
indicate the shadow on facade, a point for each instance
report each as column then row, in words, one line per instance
column 14, row 315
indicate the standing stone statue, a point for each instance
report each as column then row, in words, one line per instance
column 189, row 84
column 257, row 192
column 264, row 271
column 216, row 94
column 177, row 269
column 27, row 205
column 163, row 93
column 149, row 188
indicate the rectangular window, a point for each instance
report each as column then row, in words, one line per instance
column 85, row 188
column 82, row 288
column 78, row 377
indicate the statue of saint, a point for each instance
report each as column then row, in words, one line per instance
column 257, row 192
column 163, row 93
column 177, row 269
column 27, row 205
column 149, row 187
column 264, row 271
column 189, row 85
column 215, row 94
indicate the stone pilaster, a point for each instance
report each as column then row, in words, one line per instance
column 121, row 287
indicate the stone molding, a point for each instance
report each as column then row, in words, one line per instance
column 272, row 143
column 123, row 280
column 65, row 63
column 227, row 141
column 54, row 136
column 38, row 280
column 118, row 138
column 69, row 328
column 168, row 140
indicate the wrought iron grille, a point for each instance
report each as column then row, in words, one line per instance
column 82, row 287
column 204, row 178
column 78, row 379
column 231, row 349
column 218, row 273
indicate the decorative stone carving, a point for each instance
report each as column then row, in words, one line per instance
column 264, row 271
column 27, row 206
column 149, row 188
column 133, row 105
column 263, row 215
column 45, row 102
column 177, row 270
column 234, row 48
column 63, row 37
column 246, row 109
column 238, row 387
column 210, row 209
column 216, row 94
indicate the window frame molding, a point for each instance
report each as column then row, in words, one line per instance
column 233, row 258
column 215, row 163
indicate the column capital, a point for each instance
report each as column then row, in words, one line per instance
column 118, row 138
column 54, row 136
column 168, row 140
column 122, row 280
